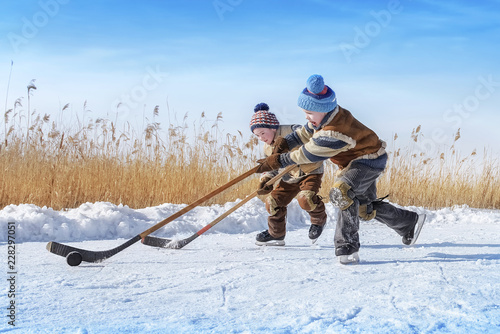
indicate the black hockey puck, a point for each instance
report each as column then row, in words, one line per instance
column 74, row 258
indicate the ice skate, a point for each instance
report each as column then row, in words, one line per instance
column 349, row 259
column 314, row 232
column 266, row 239
column 347, row 254
column 411, row 237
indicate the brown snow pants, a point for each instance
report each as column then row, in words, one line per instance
column 306, row 192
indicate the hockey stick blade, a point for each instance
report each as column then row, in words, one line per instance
column 89, row 256
column 167, row 243
column 156, row 242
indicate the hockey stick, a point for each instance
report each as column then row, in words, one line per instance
column 178, row 244
column 75, row 256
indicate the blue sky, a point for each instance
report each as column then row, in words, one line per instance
column 394, row 64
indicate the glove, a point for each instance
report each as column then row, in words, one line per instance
column 263, row 189
column 280, row 145
column 268, row 164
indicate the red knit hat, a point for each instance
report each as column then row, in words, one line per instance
column 263, row 118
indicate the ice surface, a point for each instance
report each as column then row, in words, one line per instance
column 449, row 282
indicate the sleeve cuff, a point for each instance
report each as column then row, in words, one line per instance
column 285, row 160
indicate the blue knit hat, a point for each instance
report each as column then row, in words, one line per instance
column 263, row 118
column 317, row 96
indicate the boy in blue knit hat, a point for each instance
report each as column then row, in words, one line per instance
column 302, row 182
column 333, row 133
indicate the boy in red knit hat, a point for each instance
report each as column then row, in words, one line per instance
column 333, row 133
column 302, row 182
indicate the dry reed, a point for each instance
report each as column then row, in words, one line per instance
column 47, row 164
column 448, row 179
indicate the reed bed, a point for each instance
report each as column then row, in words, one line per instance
column 47, row 163
column 48, row 166
column 447, row 179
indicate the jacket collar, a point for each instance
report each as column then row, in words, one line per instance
column 327, row 119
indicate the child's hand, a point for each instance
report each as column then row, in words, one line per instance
column 268, row 164
column 280, row 145
column 263, row 189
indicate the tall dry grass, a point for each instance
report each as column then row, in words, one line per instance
column 446, row 179
column 47, row 163
column 51, row 165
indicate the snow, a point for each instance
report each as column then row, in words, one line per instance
column 449, row 282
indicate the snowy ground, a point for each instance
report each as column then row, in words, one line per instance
column 222, row 283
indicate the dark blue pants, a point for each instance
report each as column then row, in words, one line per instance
column 363, row 191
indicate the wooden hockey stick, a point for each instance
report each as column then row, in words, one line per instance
column 178, row 244
column 74, row 256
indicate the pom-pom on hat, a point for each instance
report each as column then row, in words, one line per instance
column 261, row 106
column 317, row 96
column 263, row 118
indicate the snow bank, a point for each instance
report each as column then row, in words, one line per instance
column 106, row 221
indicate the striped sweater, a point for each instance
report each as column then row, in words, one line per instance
column 340, row 137
column 296, row 174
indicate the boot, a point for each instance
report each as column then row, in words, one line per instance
column 266, row 239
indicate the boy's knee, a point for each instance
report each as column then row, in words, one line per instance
column 340, row 195
column 271, row 206
column 307, row 199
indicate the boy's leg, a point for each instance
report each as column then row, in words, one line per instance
column 310, row 201
column 346, row 232
column 358, row 184
column 400, row 220
column 351, row 188
column 276, row 204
